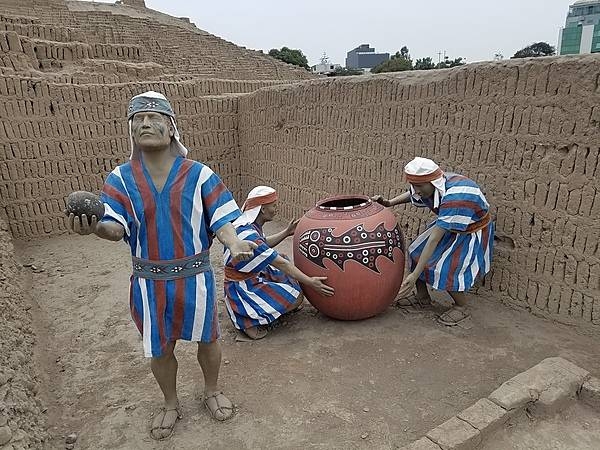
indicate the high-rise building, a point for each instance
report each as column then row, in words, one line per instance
column 581, row 33
column 364, row 57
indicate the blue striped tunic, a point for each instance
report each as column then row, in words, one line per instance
column 267, row 293
column 177, row 222
column 461, row 256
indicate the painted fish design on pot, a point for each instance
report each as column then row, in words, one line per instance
column 356, row 244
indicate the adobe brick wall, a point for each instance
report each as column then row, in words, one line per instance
column 184, row 48
column 526, row 131
column 134, row 3
column 28, row 6
column 57, row 138
column 131, row 31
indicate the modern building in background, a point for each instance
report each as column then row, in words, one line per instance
column 581, row 33
column 364, row 57
column 325, row 67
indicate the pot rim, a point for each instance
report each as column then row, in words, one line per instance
column 366, row 201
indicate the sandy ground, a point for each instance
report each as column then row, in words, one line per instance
column 315, row 383
column 576, row 428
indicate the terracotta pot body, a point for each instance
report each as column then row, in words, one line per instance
column 358, row 246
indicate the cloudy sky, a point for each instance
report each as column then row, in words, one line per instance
column 473, row 29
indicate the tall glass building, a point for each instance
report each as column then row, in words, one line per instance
column 581, row 33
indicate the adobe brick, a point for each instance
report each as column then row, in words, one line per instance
column 554, row 299
column 592, row 161
column 588, row 306
column 594, row 277
column 566, row 295
column 14, row 42
column 4, row 43
column 576, row 309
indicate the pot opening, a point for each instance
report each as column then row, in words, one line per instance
column 345, row 202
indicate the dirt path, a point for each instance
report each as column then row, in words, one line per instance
column 316, row 383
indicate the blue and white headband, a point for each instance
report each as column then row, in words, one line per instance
column 153, row 102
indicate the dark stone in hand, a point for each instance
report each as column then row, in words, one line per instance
column 82, row 202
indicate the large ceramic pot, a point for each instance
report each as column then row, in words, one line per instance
column 357, row 244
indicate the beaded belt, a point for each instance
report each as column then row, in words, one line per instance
column 171, row 269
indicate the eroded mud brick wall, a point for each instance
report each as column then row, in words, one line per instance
column 21, row 418
column 67, row 70
column 526, row 131
column 179, row 46
column 173, row 43
column 58, row 138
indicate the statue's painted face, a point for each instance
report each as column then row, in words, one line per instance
column 425, row 190
column 151, row 130
column 269, row 211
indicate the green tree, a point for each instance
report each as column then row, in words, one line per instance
column 393, row 65
column 403, row 53
column 447, row 63
column 536, row 49
column 290, row 56
column 397, row 63
column 424, row 64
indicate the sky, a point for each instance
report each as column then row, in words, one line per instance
column 472, row 29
